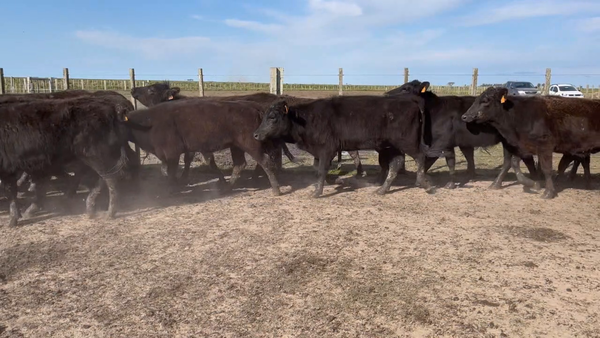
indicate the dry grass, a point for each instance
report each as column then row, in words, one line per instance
column 470, row 262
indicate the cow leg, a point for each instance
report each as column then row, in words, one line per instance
column 573, row 173
column 288, row 153
column 172, row 165
column 11, row 191
column 586, row 172
column 533, row 171
column 267, row 164
column 451, row 162
column 423, row 180
column 394, row 167
column 356, row 157
column 506, row 164
column 24, row 177
column 37, row 201
column 521, row 178
column 239, row 163
column 111, row 183
column 90, row 201
column 545, row 159
column 188, row 157
column 564, row 162
column 384, row 164
column 324, row 161
column 469, row 154
column 212, row 165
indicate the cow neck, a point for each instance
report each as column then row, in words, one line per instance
column 296, row 128
column 506, row 125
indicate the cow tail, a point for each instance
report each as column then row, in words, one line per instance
column 424, row 146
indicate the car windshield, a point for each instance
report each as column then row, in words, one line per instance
column 523, row 85
column 567, row 89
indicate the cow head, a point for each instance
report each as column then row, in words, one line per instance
column 413, row 87
column 276, row 122
column 487, row 106
column 154, row 94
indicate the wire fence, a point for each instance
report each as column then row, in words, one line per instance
column 294, row 83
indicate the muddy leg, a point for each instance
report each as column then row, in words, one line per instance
column 468, row 152
column 37, row 201
column 90, row 203
column 545, row 159
column 506, row 164
column 10, row 188
column 394, row 167
column 423, row 180
column 356, row 157
column 451, row 162
column 521, row 178
column 172, row 175
column 24, row 177
column 266, row 163
column 111, row 183
column 384, row 164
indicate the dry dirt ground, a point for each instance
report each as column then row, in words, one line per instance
column 469, row 262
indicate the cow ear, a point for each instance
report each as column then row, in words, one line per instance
column 175, row 90
column 424, row 86
column 502, row 94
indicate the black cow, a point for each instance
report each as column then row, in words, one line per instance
column 445, row 130
column 540, row 126
column 324, row 126
column 162, row 92
column 40, row 136
column 122, row 107
column 169, row 129
column 577, row 160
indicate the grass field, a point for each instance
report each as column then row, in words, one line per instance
column 468, row 262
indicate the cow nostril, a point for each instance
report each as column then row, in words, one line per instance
column 255, row 136
column 479, row 113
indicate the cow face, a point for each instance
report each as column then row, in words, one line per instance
column 487, row 106
column 275, row 124
column 154, row 94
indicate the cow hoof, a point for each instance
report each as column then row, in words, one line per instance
column 30, row 212
column 495, row 186
column 537, row 186
column 548, row 194
column 380, row 191
column 450, row 185
column 13, row 222
column 315, row 195
column 276, row 192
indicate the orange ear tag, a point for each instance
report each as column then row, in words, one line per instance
column 286, row 109
column 503, row 99
column 423, row 90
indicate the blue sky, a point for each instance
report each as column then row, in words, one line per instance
column 373, row 40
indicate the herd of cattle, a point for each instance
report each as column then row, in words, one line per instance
column 83, row 137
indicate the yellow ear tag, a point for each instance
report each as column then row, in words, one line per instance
column 286, row 109
column 503, row 99
column 423, row 90
column 126, row 119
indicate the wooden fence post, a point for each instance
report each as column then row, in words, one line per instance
column 276, row 85
column 28, row 84
column 132, row 85
column 341, row 76
column 200, row 82
column 405, row 75
column 548, row 81
column 65, row 78
column 105, row 85
column 50, row 85
column 474, row 83
column 2, row 90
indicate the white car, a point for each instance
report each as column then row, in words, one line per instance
column 565, row 90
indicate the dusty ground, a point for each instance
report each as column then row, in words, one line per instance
column 471, row 262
